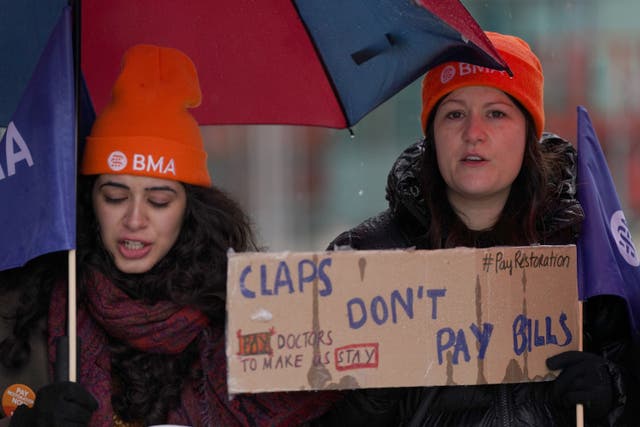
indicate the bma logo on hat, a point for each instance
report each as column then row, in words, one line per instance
column 448, row 73
column 117, row 161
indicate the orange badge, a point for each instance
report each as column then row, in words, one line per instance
column 16, row 395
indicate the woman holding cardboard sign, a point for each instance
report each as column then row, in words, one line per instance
column 486, row 175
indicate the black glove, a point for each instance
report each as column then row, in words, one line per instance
column 61, row 404
column 585, row 379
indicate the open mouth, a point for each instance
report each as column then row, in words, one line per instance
column 133, row 249
column 472, row 159
column 132, row 245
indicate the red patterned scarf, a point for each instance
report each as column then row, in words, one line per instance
column 167, row 328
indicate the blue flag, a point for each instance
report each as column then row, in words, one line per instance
column 38, row 158
column 608, row 261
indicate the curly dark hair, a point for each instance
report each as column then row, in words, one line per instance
column 193, row 273
column 521, row 220
column 32, row 284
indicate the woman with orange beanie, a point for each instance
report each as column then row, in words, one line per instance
column 152, row 253
column 486, row 175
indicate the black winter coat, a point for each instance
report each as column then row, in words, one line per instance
column 402, row 225
column 34, row 374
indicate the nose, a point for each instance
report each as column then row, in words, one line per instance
column 474, row 130
column 136, row 215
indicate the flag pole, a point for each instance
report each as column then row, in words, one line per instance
column 580, row 407
column 72, row 332
column 72, row 297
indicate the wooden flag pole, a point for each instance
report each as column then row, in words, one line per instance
column 72, row 300
column 71, row 316
column 579, row 407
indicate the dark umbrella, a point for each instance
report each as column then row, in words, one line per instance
column 308, row 62
column 25, row 27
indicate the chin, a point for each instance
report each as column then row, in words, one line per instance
column 133, row 267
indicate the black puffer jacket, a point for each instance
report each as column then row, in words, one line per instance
column 403, row 225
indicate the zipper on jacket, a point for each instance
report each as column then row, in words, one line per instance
column 504, row 408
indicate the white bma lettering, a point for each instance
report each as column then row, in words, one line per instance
column 13, row 140
column 138, row 162
column 155, row 166
column 171, row 167
column 465, row 69
column 149, row 164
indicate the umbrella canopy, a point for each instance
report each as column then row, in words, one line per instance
column 25, row 27
column 307, row 62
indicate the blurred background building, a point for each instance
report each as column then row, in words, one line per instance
column 302, row 186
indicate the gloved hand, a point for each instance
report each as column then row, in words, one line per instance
column 585, row 379
column 61, row 404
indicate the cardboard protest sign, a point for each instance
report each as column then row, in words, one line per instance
column 366, row 319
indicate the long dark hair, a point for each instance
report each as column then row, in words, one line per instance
column 32, row 285
column 519, row 223
column 193, row 273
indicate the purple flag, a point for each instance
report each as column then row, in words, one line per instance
column 37, row 158
column 608, row 261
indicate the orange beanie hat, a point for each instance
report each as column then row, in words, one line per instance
column 526, row 85
column 146, row 128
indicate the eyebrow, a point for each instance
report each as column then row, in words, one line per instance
column 486, row 104
column 126, row 187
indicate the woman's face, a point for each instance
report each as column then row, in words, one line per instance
column 140, row 218
column 480, row 137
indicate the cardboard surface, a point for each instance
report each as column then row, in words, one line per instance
column 366, row 319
